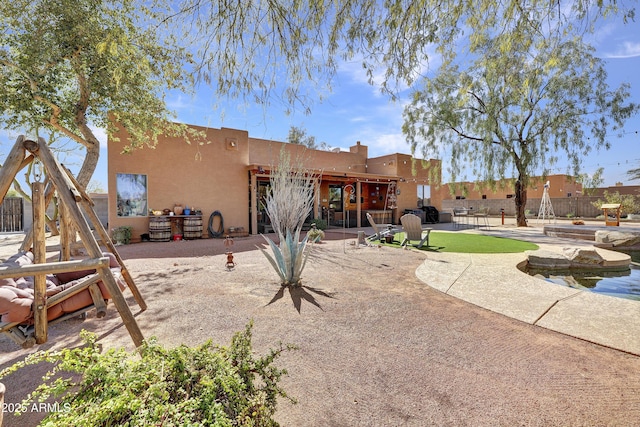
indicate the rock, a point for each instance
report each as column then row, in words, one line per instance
column 547, row 259
column 579, row 257
column 618, row 238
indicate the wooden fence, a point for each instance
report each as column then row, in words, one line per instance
column 12, row 214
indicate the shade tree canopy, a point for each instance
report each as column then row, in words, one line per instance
column 65, row 65
column 521, row 96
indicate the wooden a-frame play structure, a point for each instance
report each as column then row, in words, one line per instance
column 71, row 198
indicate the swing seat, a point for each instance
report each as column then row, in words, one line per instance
column 17, row 294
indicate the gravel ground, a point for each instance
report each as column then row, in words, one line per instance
column 377, row 347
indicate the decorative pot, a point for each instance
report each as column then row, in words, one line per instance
column 177, row 209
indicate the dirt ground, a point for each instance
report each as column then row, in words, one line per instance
column 377, row 347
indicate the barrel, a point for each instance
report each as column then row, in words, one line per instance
column 159, row 229
column 192, row 227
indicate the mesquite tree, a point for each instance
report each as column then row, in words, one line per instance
column 288, row 204
column 523, row 96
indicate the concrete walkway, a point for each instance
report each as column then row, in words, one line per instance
column 494, row 282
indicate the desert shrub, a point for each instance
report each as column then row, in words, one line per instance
column 122, row 235
column 204, row 385
column 321, row 224
column 628, row 202
column 315, row 234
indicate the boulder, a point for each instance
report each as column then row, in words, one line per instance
column 546, row 259
column 579, row 257
column 618, row 238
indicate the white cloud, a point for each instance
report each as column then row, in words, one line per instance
column 628, row 49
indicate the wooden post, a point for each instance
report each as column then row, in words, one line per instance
column 65, row 244
column 69, row 196
column 48, row 195
column 39, row 257
column 98, row 301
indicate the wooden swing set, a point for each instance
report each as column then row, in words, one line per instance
column 71, row 197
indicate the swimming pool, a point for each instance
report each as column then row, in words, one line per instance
column 622, row 284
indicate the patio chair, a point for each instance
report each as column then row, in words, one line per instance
column 460, row 215
column 380, row 230
column 482, row 214
column 412, row 226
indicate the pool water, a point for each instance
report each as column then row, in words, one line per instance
column 621, row 284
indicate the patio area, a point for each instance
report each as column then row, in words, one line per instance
column 379, row 343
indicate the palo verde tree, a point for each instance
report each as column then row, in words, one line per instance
column 298, row 135
column 66, row 66
column 522, row 95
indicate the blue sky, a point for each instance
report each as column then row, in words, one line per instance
column 356, row 111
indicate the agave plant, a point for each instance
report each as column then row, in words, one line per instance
column 289, row 258
column 288, row 203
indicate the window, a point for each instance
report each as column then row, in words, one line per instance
column 335, row 197
column 131, row 197
column 484, row 197
column 424, row 195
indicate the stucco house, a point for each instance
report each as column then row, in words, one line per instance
column 229, row 176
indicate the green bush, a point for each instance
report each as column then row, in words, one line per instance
column 628, row 203
column 122, row 234
column 321, row 224
column 205, row 385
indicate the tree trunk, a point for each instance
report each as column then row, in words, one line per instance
column 521, row 202
column 91, row 158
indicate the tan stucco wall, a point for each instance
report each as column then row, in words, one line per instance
column 218, row 181
column 559, row 186
column 267, row 153
column 219, row 178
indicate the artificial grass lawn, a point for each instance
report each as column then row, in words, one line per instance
column 469, row 243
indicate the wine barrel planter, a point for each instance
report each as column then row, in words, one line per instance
column 159, row 229
column 193, row 227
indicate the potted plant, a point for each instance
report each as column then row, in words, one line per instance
column 315, row 234
column 121, row 235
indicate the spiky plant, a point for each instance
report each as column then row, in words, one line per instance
column 288, row 203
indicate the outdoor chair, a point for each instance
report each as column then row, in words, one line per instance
column 412, row 226
column 379, row 230
column 460, row 215
column 482, row 214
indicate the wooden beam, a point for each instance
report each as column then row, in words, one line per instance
column 53, row 267
column 70, row 198
column 87, row 205
column 112, row 248
column 65, row 234
column 75, row 289
column 98, row 301
column 39, row 258
column 81, row 190
column 48, row 194
column 12, row 164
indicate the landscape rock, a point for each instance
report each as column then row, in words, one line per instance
column 573, row 258
column 582, row 256
column 543, row 258
column 618, row 238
